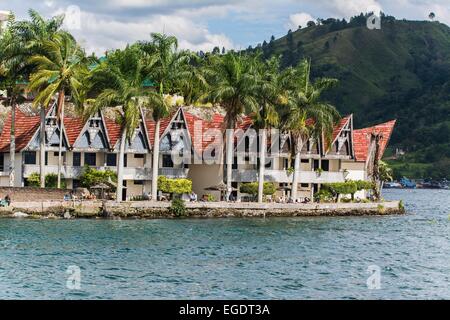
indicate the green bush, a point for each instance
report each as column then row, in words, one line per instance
column 339, row 188
column 51, row 180
column 252, row 188
column 363, row 185
column 90, row 176
column 177, row 186
column 323, row 195
column 178, row 208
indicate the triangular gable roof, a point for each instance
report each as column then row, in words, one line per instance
column 336, row 131
column 25, row 128
column 361, row 139
column 73, row 128
column 79, row 128
column 114, row 131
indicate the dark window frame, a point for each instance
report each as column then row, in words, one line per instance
column 87, row 158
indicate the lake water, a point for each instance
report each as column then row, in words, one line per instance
column 277, row 258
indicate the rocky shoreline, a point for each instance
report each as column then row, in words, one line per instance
column 161, row 210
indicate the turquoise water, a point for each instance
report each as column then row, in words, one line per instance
column 279, row 258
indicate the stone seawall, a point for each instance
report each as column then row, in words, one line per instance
column 147, row 209
column 23, row 194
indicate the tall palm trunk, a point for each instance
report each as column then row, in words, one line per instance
column 229, row 143
column 120, row 165
column 155, row 163
column 297, row 168
column 42, row 147
column 262, row 164
column 61, row 133
column 12, row 146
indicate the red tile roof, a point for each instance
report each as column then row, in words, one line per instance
column 113, row 131
column 26, row 126
column 361, row 139
column 73, row 127
column 151, row 124
column 337, row 129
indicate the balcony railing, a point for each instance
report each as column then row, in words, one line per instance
column 282, row 176
column 129, row 173
column 173, row 172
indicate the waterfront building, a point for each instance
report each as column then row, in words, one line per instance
column 196, row 138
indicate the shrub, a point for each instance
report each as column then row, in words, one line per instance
column 252, row 188
column 339, row 188
column 177, row 186
column 90, row 176
column 51, row 180
column 323, row 195
column 177, row 208
column 363, row 185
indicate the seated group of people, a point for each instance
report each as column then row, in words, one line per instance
column 6, row 201
column 284, row 199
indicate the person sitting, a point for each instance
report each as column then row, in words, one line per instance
column 8, row 199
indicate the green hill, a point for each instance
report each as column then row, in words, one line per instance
column 401, row 71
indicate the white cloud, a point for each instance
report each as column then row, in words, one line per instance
column 349, row 8
column 100, row 33
column 299, row 19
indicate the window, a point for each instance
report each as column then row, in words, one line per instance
column 138, row 182
column 2, row 162
column 304, row 185
column 315, row 165
column 139, row 156
column 235, row 163
column 111, row 159
column 326, row 165
column 268, row 164
column 29, row 157
column 46, row 158
column 167, row 161
column 304, row 160
column 90, row 159
column 76, row 159
column 76, row 184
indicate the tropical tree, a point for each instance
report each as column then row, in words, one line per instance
column 30, row 36
column 119, row 80
column 272, row 94
column 307, row 115
column 10, row 77
column 58, row 72
column 165, row 66
column 233, row 80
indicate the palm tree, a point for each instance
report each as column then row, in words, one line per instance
column 272, row 93
column 166, row 67
column 58, row 72
column 119, row 79
column 233, row 84
column 31, row 35
column 305, row 103
column 10, row 75
column 192, row 82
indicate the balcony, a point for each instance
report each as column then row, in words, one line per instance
column 71, row 172
column 173, row 172
column 281, row 176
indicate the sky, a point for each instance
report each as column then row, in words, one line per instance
column 203, row 24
